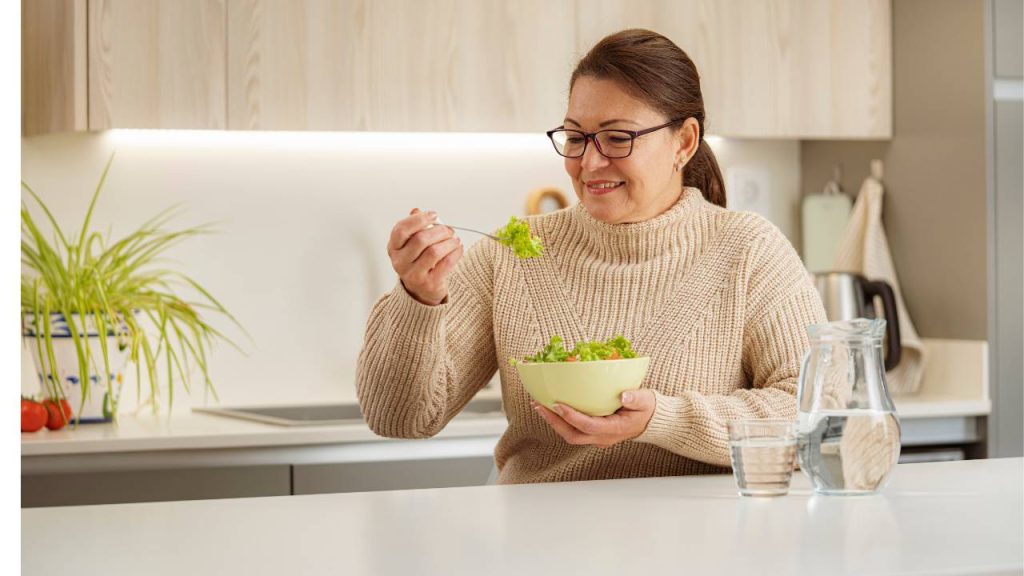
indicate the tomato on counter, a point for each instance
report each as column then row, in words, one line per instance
column 58, row 413
column 33, row 415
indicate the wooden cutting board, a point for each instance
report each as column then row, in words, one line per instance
column 823, row 218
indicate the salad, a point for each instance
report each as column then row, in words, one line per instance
column 516, row 235
column 615, row 349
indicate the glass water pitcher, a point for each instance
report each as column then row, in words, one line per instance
column 848, row 433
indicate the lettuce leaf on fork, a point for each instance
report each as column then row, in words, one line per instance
column 516, row 235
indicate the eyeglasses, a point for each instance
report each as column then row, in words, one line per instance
column 609, row 143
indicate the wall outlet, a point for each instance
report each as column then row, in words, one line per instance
column 749, row 189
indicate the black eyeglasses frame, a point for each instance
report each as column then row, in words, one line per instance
column 588, row 136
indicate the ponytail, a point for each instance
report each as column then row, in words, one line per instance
column 702, row 172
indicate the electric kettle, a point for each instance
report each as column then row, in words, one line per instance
column 847, row 296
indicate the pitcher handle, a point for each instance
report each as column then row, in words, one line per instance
column 801, row 382
column 893, row 348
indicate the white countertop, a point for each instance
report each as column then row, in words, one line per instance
column 927, row 405
column 949, row 518
column 954, row 386
column 204, row 431
column 147, row 432
column 954, row 383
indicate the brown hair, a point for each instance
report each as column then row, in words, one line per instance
column 651, row 67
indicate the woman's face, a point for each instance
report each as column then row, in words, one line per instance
column 641, row 185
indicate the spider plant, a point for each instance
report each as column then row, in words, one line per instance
column 117, row 287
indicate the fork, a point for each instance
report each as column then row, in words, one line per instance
column 491, row 236
column 439, row 223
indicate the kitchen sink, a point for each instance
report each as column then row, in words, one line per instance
column 332, row 414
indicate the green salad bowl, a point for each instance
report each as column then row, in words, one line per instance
column 594, row 388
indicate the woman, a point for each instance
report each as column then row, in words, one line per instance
column 718, row 299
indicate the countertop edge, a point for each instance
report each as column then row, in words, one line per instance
column 269, row 436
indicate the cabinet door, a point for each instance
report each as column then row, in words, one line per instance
column 773, row 68
column 402, row 65
column 391, row 475
column 842, row 82
column 296, row 65
column 157, row 64
column 1007, row 38
column 53, row 65
column 124, row 486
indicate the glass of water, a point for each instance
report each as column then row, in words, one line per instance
column 763, row 455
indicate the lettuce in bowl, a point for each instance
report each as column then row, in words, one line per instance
column 616, row 348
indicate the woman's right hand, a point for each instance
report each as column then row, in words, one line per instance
column 423, row 257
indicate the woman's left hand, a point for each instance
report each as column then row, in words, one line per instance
column 627, row 423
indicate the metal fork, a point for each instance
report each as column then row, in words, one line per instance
column 491, row 236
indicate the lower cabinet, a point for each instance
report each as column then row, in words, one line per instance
column 123, row 486
column 942, row 439
column 169, row 484
column 390, row 475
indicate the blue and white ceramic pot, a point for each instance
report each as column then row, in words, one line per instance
column 92, row 402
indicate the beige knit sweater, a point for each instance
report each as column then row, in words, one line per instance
column 719, row 300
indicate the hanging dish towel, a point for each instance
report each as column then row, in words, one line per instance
column 864, row 249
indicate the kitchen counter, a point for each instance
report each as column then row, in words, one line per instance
column 147, row 432
column 197, row 456
column 148, row 442
column 152, row 442
column 954, row 384
column 953, row 395
column 951, row 517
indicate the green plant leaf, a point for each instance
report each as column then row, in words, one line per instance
column 107, row 283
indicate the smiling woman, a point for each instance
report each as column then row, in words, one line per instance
column 631, row 87
column 718, row 300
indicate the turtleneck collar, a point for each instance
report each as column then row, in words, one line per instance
column 645, row 239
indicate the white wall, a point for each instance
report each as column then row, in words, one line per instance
column 303, row 221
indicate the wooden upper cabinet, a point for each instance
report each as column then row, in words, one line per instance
column 795, row 69
column 801, row 69
column 157, row 64
column 293, row 65
column 398, row 65
column 53, row 66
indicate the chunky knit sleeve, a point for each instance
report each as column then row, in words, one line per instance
column 781, row 302
column 420, row 365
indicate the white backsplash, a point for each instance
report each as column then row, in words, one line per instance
column 303, row 219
